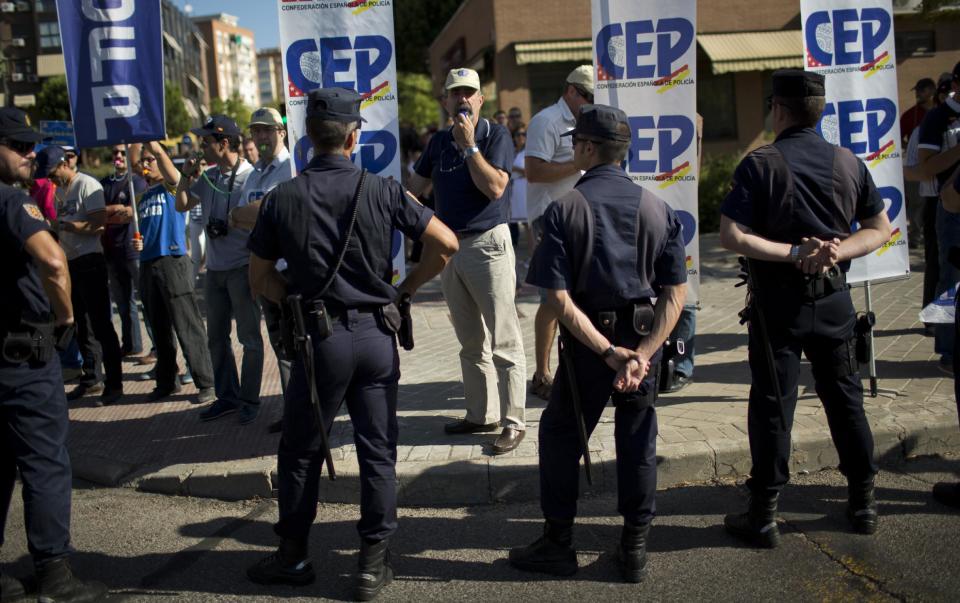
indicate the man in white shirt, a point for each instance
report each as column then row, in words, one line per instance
column 550, row 175
column 268, row 134
column 218, row 191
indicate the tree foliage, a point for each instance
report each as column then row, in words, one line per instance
column 53, row 102
column 178, row 120
column 416, row 24
column 233, row 108
column 417, row 105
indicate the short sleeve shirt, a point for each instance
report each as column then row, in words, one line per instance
column 116, row 237
column 216, row 201
column 264, row 178
column 926, row 188
column 23, row 295
column 460, row 204
column 940, row 131
column 161, row 225
column 637, row 245
column 83, row 197
column 814, row 212
column 544, row 141
column 308, row 222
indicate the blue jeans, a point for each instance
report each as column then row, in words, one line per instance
column 948, row 235
column 123, row 274
column 228, row 297
column 686, row 329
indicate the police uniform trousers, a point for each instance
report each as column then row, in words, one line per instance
column 358, row 363
column 635, row 432
column 271, row 319
column 33, row 439
column 824, row 330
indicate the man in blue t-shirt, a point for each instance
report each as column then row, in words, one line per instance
column 166, row 281
column 470, row 165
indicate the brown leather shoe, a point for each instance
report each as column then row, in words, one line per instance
column 465, row 426
column 508, row 440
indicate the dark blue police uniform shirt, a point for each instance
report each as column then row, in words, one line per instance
column 23, row 295
column 935, row 124
column 116, row 237
column 814, row 212
column 637, row 246
column 308, row 232
column 460, row 204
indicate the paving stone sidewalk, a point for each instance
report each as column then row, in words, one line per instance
column 163, row 447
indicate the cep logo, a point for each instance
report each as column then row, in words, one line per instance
column 336, row 61
column 658, row 144
column 643, row 49
column 857, row 124
column 846, row 37
column 377, row 150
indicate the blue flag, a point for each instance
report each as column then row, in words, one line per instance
column 114, row 58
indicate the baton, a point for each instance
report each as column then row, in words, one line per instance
column 566, row 356
column 304, row 344
column 765, row 339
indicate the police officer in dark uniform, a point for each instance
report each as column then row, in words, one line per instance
column 601, row 288
column 33, row 428
column 791, row 212
column 306, row 221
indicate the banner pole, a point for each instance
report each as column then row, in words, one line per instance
column 872, row 371
column 131, row 191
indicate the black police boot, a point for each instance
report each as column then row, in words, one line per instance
column 632, row 552
column 57, row 584
column 289, row 564
column 758, row 526
column 862, row 508
column 947, row 493
column 374, row 571
column 552, row 553
column 12, row 590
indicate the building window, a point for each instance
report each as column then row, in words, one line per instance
column 915, row 44
column 49, row 35
column 717, row 103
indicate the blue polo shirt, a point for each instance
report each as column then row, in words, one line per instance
column 460, row 204
column 636, row 247
column 161, row 225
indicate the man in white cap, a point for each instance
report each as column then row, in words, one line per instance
column 470, row 164
column 268, row 134
column 551, row 174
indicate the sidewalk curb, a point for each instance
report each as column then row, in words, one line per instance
column 504, row 479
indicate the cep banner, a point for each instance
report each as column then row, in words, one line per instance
column 114, row 70
column 350, row 45
column 851, row 43
column 646, row 65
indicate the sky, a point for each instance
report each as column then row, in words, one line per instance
column 260, row 16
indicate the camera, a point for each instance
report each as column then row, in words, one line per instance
column 216, row 228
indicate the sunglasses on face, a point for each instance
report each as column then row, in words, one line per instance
column 120, row 152
column 18, row 146
column 147, row 159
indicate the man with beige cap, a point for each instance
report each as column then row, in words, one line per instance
column 470, row 164
column 550, row 175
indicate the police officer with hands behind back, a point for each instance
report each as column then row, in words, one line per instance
column 334, row 210
column 790, row 212
column 33, row 431
column 601, row 289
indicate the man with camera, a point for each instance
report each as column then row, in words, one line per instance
column 218, row 191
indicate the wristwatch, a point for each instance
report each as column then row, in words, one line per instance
column 794, row 253
column 469, row 152
column 609, row 352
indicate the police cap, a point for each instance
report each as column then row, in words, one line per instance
column 797, row 83
column 603, row 122
column 335, row 104
column 14, row 126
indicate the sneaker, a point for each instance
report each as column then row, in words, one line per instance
column 85, row 390
column 247, row 413
column 186, row 378
column 206, row 394
column 220, row 408
column 150, row 358
column 150, row 375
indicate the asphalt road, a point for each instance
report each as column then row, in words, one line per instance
column 158, row 548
